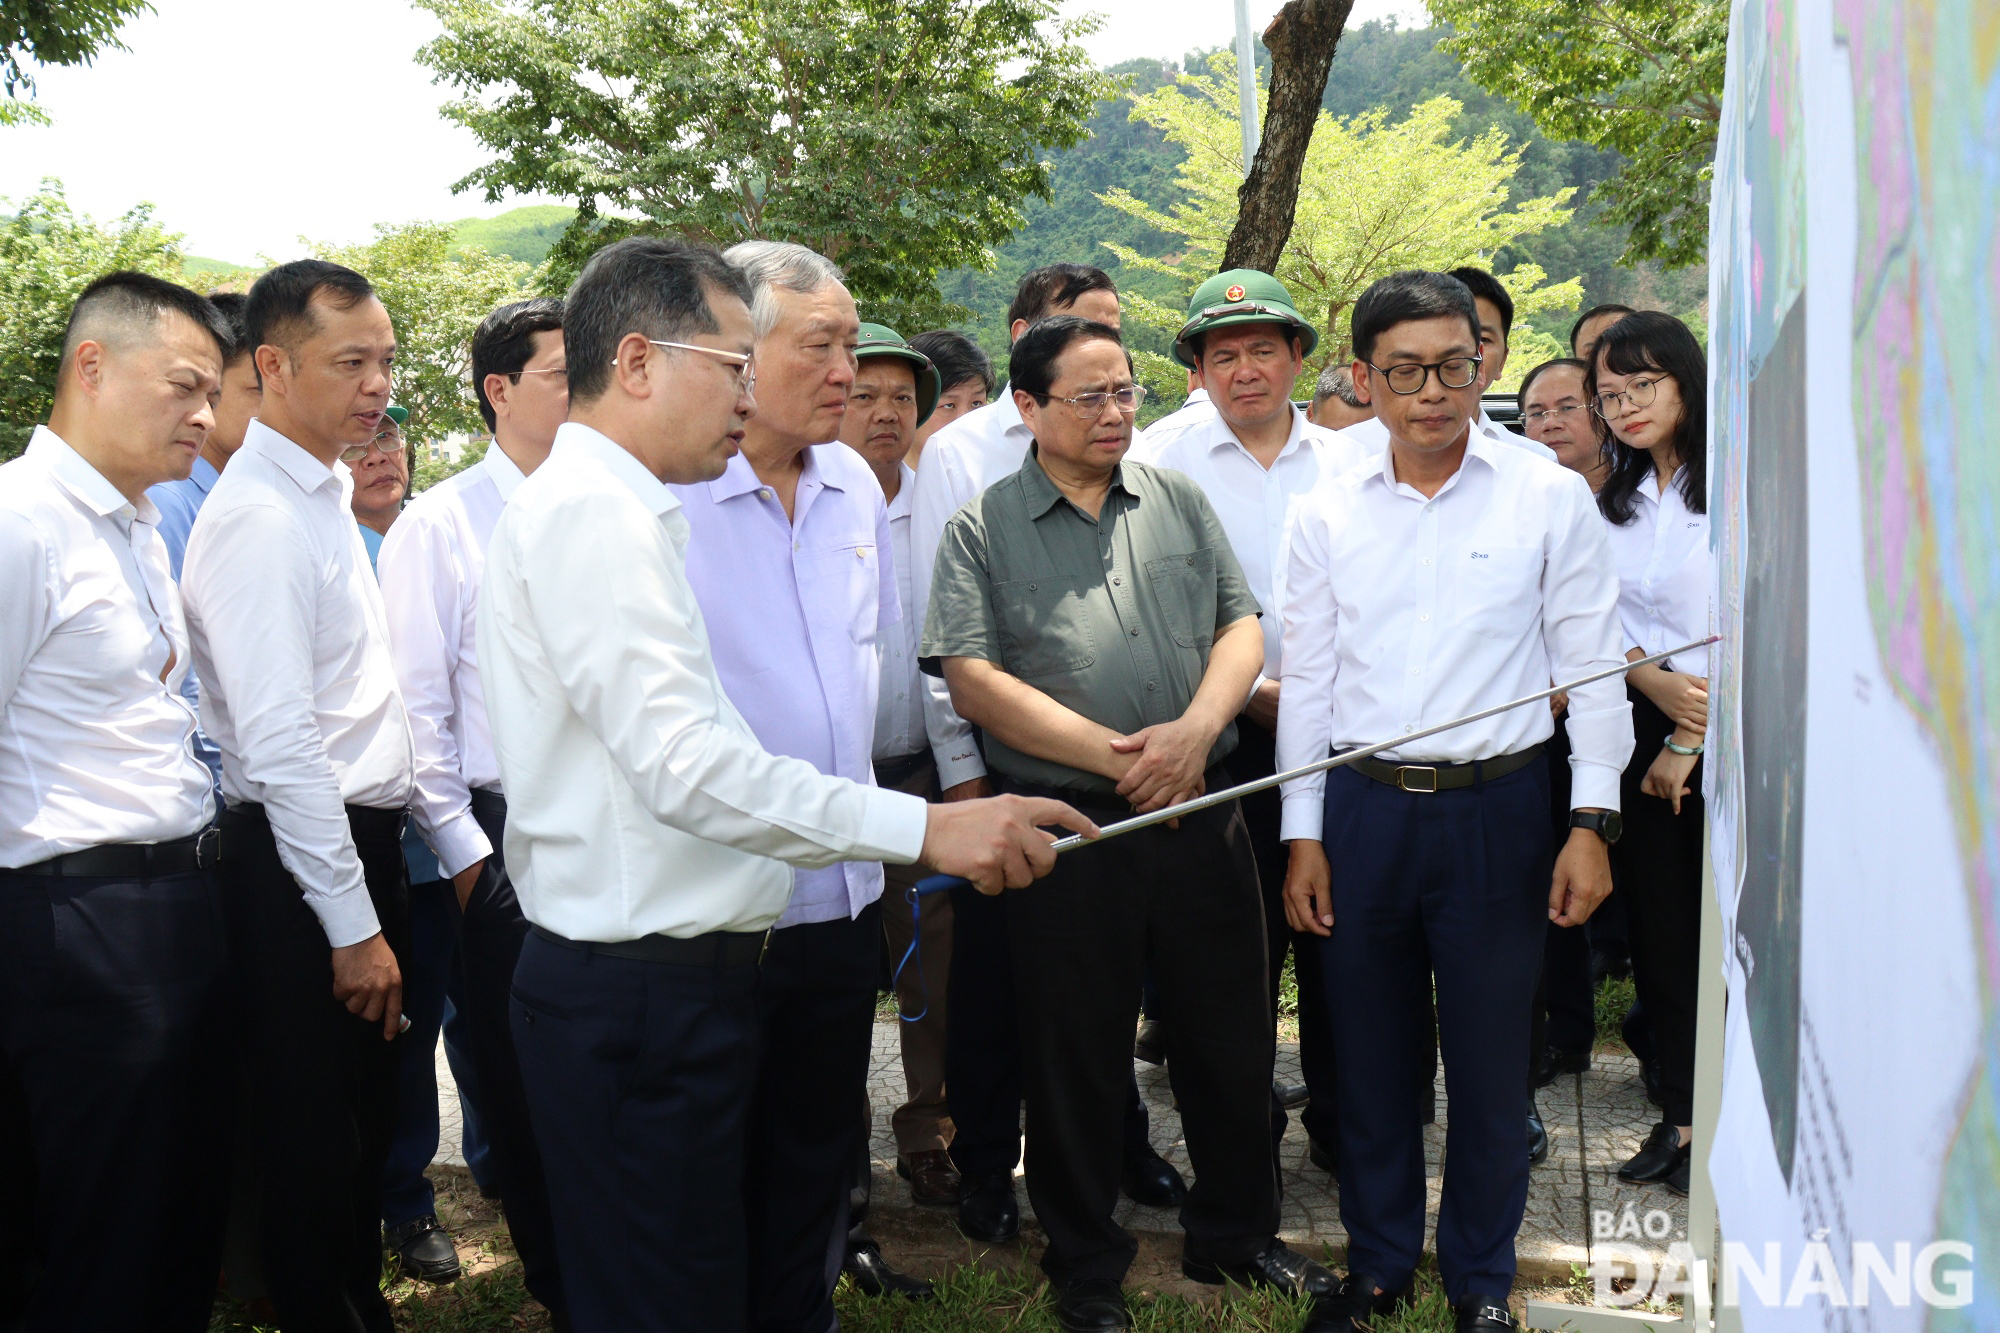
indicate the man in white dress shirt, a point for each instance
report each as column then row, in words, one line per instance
column 1448, row 575
column 1254, row 459
column 299, row 693
column 113, row 1018
column 982, row 1069
column 646, row 825
column 432, row 563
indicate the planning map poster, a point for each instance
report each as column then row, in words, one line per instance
column 1855, row 501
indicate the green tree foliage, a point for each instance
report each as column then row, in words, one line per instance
column 1642, row 77
column 1426, row 200
column 48, row 254
column 41, row 33
column 897, row 137
column 436, row 295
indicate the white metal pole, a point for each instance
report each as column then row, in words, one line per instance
column 1246, row 83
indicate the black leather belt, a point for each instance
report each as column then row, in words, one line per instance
column 131, row 860
column 718, row 948
column 1446, row 777
column 895, row 772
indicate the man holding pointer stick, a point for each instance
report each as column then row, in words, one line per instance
column 1456, row 575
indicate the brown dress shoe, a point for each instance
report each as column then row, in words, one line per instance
column 933, row 1182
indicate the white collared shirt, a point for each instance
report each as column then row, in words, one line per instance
column 1402, row 612
column 1662, row 557
column 298, row 690
column 1373, row 436
column 96, row 742
column 958, row 463
column 795, row 606
column 899, row 706
column 638, row 799
column 431, row 566
column 1198, row 410
column 1253, row 502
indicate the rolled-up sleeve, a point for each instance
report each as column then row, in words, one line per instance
column 1582, row 634
column 624, row 643
column 252, row 581
column 1310, row 661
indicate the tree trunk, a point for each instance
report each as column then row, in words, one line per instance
column 1301, row 40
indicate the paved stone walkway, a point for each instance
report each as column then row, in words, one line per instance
column 1596, row 1120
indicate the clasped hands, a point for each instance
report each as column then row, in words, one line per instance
column 1164, row 764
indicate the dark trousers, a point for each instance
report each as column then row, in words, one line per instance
column 491, row 931
column 1565, row 1011
column 1256, row 757
column 322, row 1081
column 815, row 1022
column 1659, row 873
column 433, row 999
column 982, row 1063
column 637, row 1076
column 114, row 1106
column 1186, row 902
column 1447, row 888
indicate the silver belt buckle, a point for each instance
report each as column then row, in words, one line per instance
column 1403, row 778
column 208, row 848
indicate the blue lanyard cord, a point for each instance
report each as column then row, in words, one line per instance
column 915, row 895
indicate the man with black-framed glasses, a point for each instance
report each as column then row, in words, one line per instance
column 1089, row 615
column 1447, row 576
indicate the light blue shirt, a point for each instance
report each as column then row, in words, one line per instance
column 417, row 855
column 178, row 503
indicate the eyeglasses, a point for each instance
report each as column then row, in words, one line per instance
column 1549, row 414
column 1454, row 373
column 1090, row 406
column 1638, row 393
column 746, row 371
column 388, row 443
column 561, row 372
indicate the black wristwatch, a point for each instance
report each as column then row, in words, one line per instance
column 1606, row 824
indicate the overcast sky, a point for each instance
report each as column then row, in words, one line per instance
column 249, row 123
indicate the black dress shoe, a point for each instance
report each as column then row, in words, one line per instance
column 1662, row 1155
column 1151, row 1179
column 1554, row 1064
column 1677, row 1183
column 1291, row 1096
column 1091, row 1305
column 1151, row 1043
column 1538, row 1137
column 988, row 1210
column 424, row 1249
column 1483, row 1314
column 873, row 1276
column 933, row 1181
column 1278, row 1266
column 1355, row 1307
column 1322, row 1157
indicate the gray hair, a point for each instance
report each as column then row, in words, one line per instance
column 1337, row 382
column 774, row 266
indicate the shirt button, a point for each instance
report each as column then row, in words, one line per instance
column 1115, row 580
column 1190, row 560
column 1135, row 633
column 1151, row 686
column 1416, row 671
column 860, row 553
column 1031, row 587
column 1425, row 617
column 765, row 492
column 1408, row 730
column 1427, row 560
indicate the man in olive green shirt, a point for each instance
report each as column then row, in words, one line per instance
column 1089, row 615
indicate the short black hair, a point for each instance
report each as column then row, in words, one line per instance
column 505, row 341
column 1485, row 286
column 1031, row 367
column 655, row 286
column 1051, row 285
column 278, row 310
column 1651, row 340
column 957, row 359
column 1608, row 308
column 1412, row 294
column 122, row 301
column 1528, row 380
column 231, row 305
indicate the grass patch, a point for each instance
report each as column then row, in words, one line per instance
column 1614, row 1001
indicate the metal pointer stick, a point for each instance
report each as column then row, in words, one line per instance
column 936, row 883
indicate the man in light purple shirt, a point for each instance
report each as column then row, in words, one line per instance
column 789, row 558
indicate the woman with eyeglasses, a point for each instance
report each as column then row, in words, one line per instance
column 1648, row 383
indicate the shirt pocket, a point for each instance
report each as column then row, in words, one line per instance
column 856, row 572
column 1184, row 586
column 1499, row 590
column 1044, row 627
